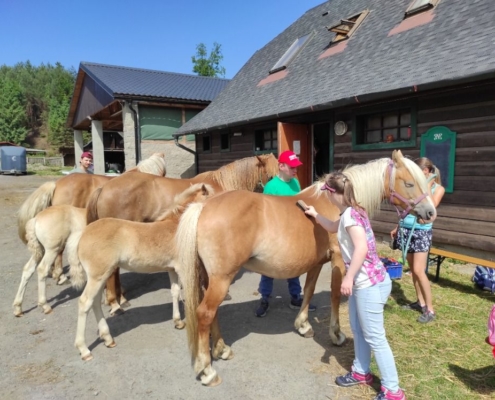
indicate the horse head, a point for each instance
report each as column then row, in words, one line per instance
column 268, row 168
column 408, row 188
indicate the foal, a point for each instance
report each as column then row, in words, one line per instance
column 110, row 243
column 46, row 236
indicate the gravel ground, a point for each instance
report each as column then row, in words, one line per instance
column 151, row 360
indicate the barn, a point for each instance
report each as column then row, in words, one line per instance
column 357, row 79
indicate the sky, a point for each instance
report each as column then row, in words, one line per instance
column 150, row 34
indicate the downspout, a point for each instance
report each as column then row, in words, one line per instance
column 176, row 140
column 137, row 133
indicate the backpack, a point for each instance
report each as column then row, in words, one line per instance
column 484, row 278
column 491, row 329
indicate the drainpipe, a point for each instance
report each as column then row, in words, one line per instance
column 176, row 140
column 137, row 133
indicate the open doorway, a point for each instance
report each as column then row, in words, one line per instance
column 321, row 150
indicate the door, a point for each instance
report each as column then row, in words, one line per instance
column 296, row 137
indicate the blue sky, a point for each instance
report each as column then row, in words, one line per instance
column 152, row 34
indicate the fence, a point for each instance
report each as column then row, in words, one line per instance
column 46, row 161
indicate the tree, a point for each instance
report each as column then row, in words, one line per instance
column 208, row 66
column 12, row 112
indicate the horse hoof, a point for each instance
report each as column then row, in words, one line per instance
column 63, row 280
column 18, row 313
column 309, row 334
column 215, row 382
column 116, row 312
column 229, row 356
column 125, row 304
column 48, row 311
column 180, row 325
column 88, row 357
column 111, row 345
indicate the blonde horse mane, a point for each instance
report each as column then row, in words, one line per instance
column 182, row 200
column 369, row 182
column 154, row 165
column 245, row 173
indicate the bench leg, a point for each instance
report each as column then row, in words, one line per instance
column 439, row 263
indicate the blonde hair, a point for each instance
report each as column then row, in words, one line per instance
column 343, row 185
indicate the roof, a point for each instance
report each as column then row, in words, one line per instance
column 134, row 82
column 456, row 45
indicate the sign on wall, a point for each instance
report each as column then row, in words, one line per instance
column 438, row 144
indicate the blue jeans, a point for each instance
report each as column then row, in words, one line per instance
column 266, row 287
column 366, row 318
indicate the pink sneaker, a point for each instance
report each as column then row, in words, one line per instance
column 386, row 394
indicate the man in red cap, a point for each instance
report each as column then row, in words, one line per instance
column 284, row 184
column 84, row 164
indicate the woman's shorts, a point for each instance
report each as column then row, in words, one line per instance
column 420, row 241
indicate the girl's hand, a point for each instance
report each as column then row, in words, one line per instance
column 311, row 211
column 346, row 287
column 393, row 233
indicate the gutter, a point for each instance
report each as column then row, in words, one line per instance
column 176, row 141
column 137, row 133
column 351, row 100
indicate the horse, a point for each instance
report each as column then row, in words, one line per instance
column 140, row 247
column 47, row 234
column 74, row 190
column 270, row 235
column 145, row 199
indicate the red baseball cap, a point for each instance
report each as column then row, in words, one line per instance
column 87, row 154
column 289, row 157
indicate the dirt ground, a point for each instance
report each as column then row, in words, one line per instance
column 151, row 360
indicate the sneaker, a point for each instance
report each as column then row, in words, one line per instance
column 354, row 378
column 426, row 317
column 296, row 304
column 415, row 307
column 386, row 394
column 262, row 309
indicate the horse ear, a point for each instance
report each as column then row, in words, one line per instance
column 397, row 156
column 204, row 190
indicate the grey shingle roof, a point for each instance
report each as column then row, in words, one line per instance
column 458, row 43
column 124, row 81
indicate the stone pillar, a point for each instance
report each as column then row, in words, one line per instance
column 129, row 134
column 98, row 150
column 78, row 146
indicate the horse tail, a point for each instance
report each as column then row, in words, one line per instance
column 40, row 199
column 35, row 247
column 77, row 273
column 92, row 206
column 189, row 270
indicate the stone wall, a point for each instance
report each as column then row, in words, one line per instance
column 179, row 162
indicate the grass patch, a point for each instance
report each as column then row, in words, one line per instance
column 447, row 358
column 42, row 170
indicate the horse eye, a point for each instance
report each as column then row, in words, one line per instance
column 409, row 185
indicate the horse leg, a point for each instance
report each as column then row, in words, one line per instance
column 302, row 324
column 43, row 270
column 175, row 290
column 27, row 272
column 111, row 295
column 220, row 349
column 119, row 290
column 91, row 298
column 206, row 312
column 338, row 270
column 58, row 269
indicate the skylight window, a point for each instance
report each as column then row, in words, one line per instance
column 291, row 53
column 346, row 27
column 418, row 6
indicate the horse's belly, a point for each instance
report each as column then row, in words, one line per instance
column 280, row 269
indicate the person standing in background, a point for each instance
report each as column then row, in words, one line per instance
column 85, row 164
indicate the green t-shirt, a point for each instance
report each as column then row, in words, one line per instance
column 278, row 187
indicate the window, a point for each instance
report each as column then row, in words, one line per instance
column 291, row 53
column 387, row 128
column 266, row 141
column 206, row 144
column 346, row 27
column 418, row 6
column 224, row 142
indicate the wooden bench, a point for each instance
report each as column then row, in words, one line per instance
column 439, row 255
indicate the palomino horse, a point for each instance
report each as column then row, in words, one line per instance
column 145, row 199
column 234, row 229
column 74, row 190
column 110, row 243
column 47, row 234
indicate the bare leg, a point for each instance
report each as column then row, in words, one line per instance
column 336, row 335
column 175, row 289
column 302, row 323
column 417, row 263
column 27, row 272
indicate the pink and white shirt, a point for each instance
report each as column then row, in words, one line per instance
column 372, row 271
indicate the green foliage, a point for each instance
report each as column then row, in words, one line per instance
column 36, row 99
column 205, row 65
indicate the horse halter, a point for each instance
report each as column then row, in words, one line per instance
column 410, row 202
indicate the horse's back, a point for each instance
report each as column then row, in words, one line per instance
column 76, row 189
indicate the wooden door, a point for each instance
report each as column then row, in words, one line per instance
column 296, row 137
